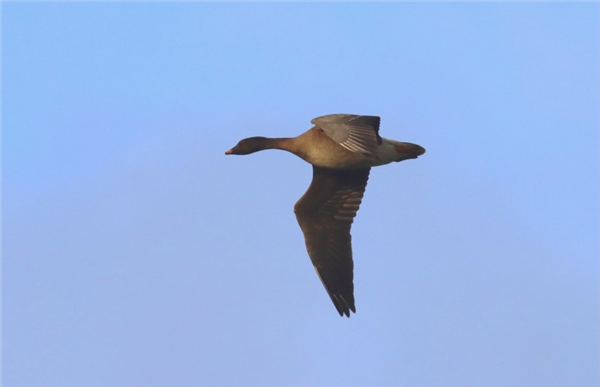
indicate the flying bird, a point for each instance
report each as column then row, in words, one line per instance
column 342, row 148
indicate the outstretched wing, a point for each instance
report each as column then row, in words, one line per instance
column 355, row 133
column 325, row 214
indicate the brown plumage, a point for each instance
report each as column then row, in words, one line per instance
column 342, row 149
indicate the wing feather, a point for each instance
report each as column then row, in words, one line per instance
column 356, row 133
column 325, row 214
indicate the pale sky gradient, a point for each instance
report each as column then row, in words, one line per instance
column 134, row 252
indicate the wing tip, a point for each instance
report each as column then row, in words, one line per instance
column 344, row 308
column 342, row 305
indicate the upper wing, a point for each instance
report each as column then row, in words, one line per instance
column 325, row 214
column 355, row 133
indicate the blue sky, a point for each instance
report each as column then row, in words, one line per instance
column 135, row 253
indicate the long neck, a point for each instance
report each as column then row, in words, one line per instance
column 283, row 143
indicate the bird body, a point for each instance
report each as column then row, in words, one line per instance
column 325, row 152
column 342, row 148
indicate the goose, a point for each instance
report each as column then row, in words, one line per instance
column 342, row 148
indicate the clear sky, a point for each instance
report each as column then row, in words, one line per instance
column 136, row 253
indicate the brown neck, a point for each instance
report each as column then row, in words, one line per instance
column 283, row 143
